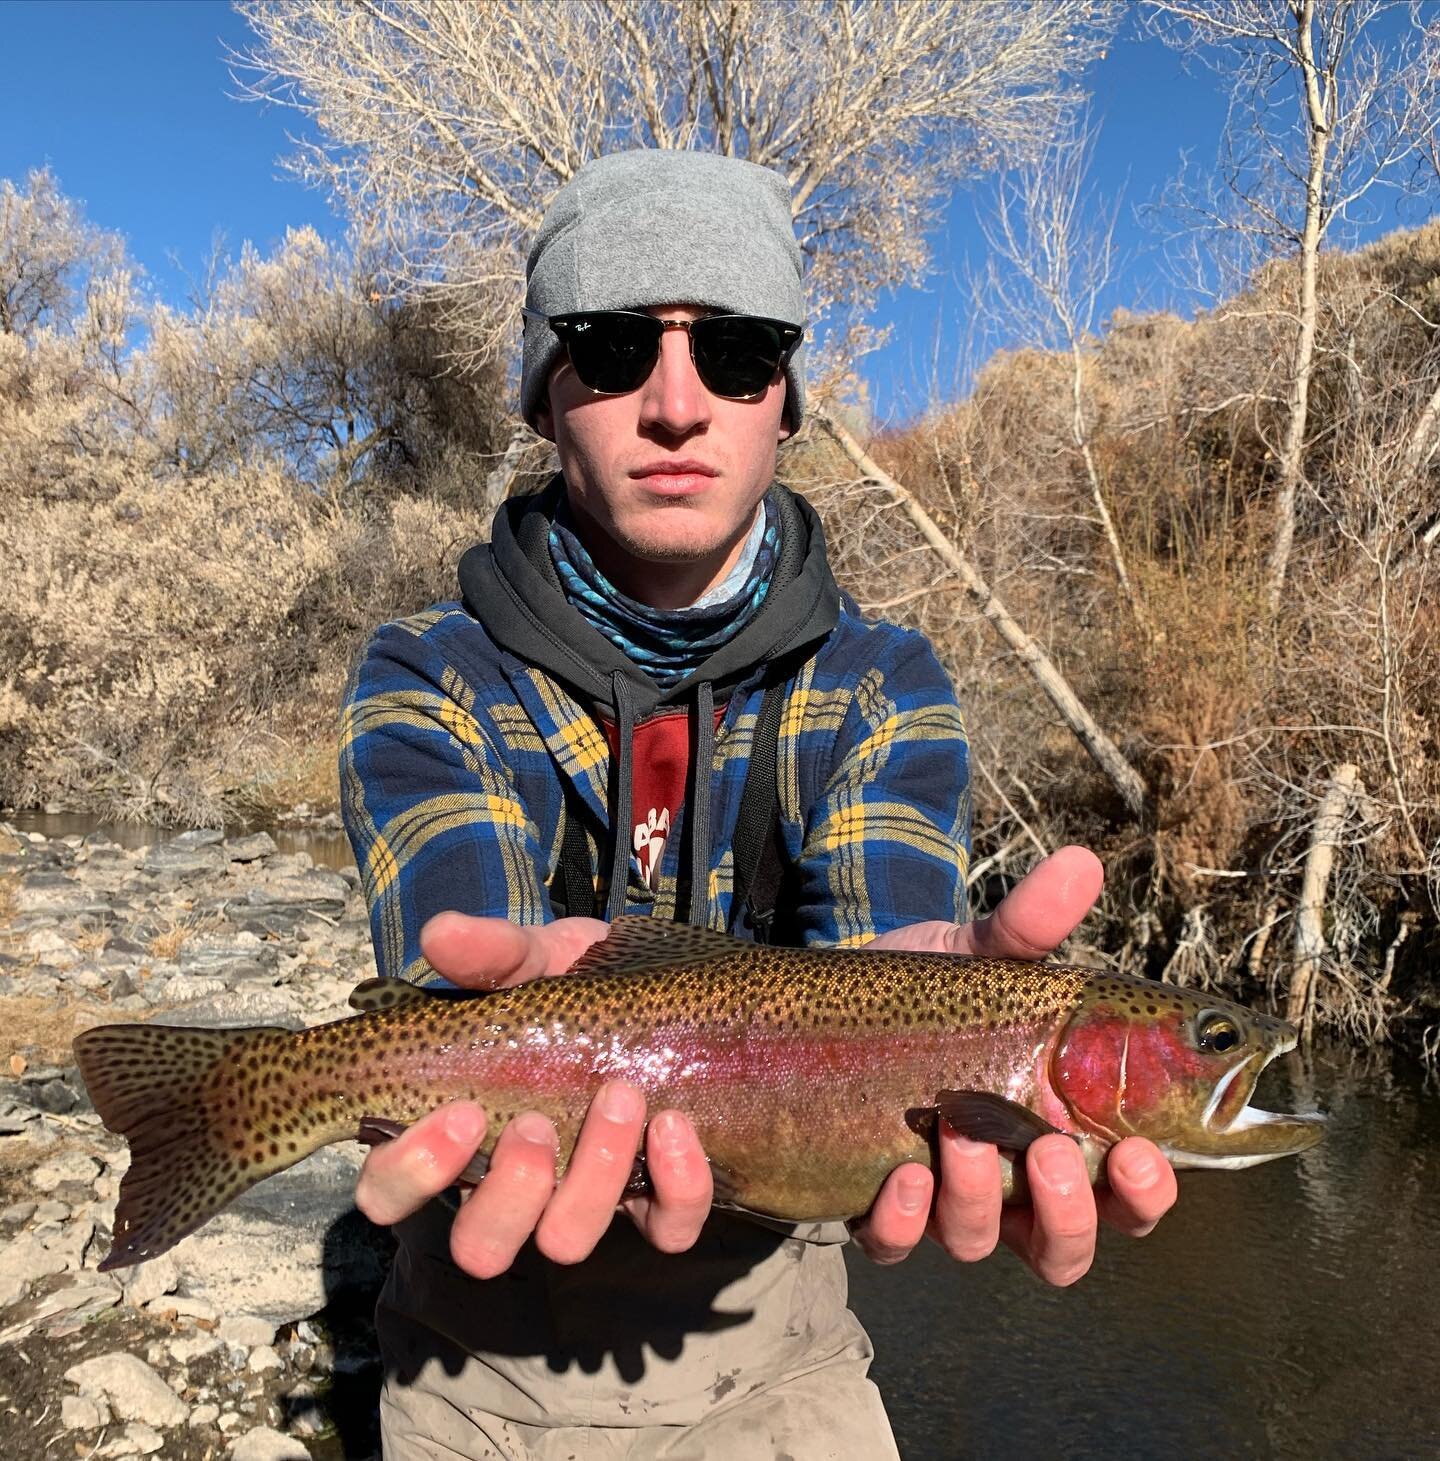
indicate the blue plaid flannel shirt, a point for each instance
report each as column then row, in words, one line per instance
column 452, row 753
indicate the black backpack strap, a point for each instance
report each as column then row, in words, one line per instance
column 758, row 853
column 572, row 886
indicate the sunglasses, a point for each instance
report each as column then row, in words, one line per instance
column 613, row 351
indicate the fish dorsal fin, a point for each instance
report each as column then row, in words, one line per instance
column 386, row 994
column 638, row 943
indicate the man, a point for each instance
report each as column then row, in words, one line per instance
column 663, row 607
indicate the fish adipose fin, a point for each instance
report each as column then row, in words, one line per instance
column 637, row 943
column 985, row 1117
column 181, row 1098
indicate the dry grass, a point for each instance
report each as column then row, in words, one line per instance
column 39, row 1031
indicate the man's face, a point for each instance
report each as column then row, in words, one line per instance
column 665, row 479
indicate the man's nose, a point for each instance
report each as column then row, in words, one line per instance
column 673, row 399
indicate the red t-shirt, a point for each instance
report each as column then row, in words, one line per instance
column 659, row 761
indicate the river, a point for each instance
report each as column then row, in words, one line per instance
column 1292, row 1310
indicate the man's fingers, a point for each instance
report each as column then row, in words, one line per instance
column 966, row 1219
column 1043, row 908
column 399, row 1177
column 584, row 1205
column 1142, row 1187
column 896, row 1221
column 501, row 1213
column 1059, row 1243
column 492, row 953
column 1034, row 918
column 684, row 1190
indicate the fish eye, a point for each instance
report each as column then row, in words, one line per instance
column 1216, row 1032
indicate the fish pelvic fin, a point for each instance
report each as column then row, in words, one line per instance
column 186, row 1102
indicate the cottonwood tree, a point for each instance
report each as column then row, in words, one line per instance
column 1330, row 101
column 451, row 124
column 1052, row 257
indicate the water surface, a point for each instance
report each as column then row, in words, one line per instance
column 1291, row 1310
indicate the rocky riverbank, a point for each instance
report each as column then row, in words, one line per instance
column 252, row 1338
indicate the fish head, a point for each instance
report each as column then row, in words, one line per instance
column 1179, row 1067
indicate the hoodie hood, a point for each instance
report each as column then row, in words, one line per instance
column 511, row 586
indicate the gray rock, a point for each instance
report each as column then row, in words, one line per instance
column 80, row 1413
column 152, row 1280
column 194, row 1347
column 55, row 895
column 17, row 1212
column 120, row 945
column 316, row 1247
column 134, row 1440
column 195, row 838
column 248, row 1330
column 249, row 1005
column 131, row 1388
column 71, row 1166
column 185, row 1306
column 23, row 1260
column 314, row 888
column 89, row 1297
column 264, row 1444
column 264, row 1360
column 181, row 862
column 251, row 848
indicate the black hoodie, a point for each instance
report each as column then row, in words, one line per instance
column 511, row 586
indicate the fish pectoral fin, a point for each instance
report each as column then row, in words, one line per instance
column 388, row 994
column 983, row 1116
column 374, row 1130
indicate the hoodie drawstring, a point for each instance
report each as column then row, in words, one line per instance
column 699, row 814
column 623, row 823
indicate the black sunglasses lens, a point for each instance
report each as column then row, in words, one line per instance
column 613, row 352
column 736, row 355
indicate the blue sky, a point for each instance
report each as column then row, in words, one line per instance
column 132, row 106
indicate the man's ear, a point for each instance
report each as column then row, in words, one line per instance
column 545, row 418
column 786, row 429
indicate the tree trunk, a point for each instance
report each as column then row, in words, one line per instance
column 1317, row 133
column 1106, row 754
column 1080, row 430
column 1310, row 915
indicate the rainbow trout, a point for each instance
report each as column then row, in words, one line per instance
column 809, row 1074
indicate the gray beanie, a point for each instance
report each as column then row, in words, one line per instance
column 637, row 229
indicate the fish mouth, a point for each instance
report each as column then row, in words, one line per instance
column 1251, row 1134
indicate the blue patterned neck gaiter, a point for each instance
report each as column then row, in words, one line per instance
column 668, row 644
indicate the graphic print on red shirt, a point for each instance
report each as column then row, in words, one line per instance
column 659, row 760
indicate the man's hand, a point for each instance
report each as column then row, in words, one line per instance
column 519, row 1195
column 1056, row 1234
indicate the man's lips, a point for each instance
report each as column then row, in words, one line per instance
column 675, row 467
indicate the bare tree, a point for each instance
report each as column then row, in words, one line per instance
column 451, row 124
column 49, row 253
column 1049, row 267
column 1322, row 113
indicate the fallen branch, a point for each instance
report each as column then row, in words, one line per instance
column 1105, row 753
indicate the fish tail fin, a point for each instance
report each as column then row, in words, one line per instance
column 200, row 1127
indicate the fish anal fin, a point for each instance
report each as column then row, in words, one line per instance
column 376, row 1130
column 984, row 1116
column 637, row 943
